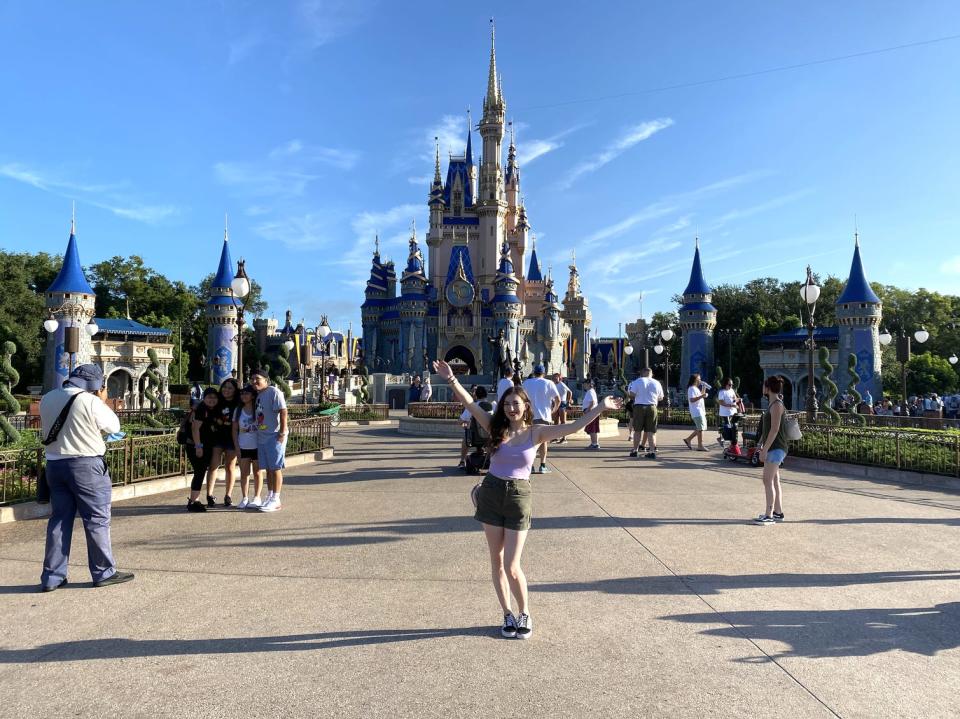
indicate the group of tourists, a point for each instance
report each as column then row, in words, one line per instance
column 231, row 424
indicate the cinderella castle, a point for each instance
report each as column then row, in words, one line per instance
column 469, row 302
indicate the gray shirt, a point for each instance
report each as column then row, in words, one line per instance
column 270, row 402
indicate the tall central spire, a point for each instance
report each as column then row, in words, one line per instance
column 493, row 89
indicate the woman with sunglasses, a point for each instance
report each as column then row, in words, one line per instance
column 504, row 500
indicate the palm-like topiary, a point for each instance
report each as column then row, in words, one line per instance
column 8, row 403
column 852, row 389
column 281, row 370
column 829, row 388
column 153, row 384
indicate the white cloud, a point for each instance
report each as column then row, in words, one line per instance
column 297, row 232
column 150, row 214
column 240, row 48
column 530, row 150
column 633, row 136
column 286, row 171
column 326, row 20
column 650, row 212
column 625, row 261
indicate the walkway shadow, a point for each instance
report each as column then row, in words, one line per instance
column 120, row 648
column 840, row 632
column 366, row 475
column 707, row 584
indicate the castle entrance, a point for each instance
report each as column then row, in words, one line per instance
column 461, row 360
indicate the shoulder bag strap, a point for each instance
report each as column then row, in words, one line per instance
column 61, row 419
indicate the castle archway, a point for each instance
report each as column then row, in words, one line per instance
column 460, row 357
column 119, row 384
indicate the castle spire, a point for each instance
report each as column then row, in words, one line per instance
column 224, row 276
column 469, row 152
column 436, row 162
column 697, row 285
column 493, row 90
column 70, row 278
column 858, row 289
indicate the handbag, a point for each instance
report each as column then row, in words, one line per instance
column 43, row 487
column 791, row 427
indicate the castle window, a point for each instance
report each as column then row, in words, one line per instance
column 457, row 202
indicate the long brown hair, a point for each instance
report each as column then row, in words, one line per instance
column 499, row 424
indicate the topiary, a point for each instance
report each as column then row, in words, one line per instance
column 9, row 377
column 829, row 388
column 150, row 391
column 852, row 389
column 280, row 370
column 736, row 385
column 719, row 375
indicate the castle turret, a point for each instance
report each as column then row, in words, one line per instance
column 70, row 301
column 859, row 311
column 222, row 320
column 372, row 309
column 491, row 205
column 507, row 307
column 698, row 318
column 576, row 312
column 413, row 308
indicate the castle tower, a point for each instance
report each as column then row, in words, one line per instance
column 372, row 309
column 576, row 312
column 70, row 301
column 507, row 308
column 413, row 310
column 697, row 320
column 551, row 331
column 858, row 315
column 222, row 320
column 491, row 204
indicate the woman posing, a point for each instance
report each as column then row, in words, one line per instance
column 773, row 450
column 199, row 447
column 504, row 500
column 245, row 440
column 224, row 449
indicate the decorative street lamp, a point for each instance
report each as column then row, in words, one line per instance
column 241, row 288
column 75, row 313
column 322, row 332
column 903, row 356
column 810, row 293
column 730, row 334
column 953, row 358
column 663, row 347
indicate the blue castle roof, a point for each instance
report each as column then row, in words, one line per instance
column 534, row 274
column 697, row 285
column 458, row 167
column 456, row 254
column 857, row 289
column 128, row 327
column 71, row 277
column 225, row 272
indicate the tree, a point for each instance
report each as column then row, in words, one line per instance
column 829, row 388
column 8, row 403
column 929, row 373
column 24, row 277
column 852, row 389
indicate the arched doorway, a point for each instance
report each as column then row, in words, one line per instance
column 461, row 360
column 119, row 384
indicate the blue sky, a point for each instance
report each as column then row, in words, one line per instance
column 311, row 123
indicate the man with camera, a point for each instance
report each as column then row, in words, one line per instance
column 74, row 419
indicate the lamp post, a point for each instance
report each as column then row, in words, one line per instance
column 322, row 331
column 663, row 348
column 810, row 293
column 903, row 356
column 75, row 314
column 241, row 288
column 729, row 334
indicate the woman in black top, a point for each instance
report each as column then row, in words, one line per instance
column 223, row 449
column 199, row 445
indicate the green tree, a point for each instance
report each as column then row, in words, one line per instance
column 829, row 387
column 24, row 277
column 929, row 373
column 852, row 389
column 8, row 403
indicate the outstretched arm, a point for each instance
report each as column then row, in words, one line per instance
column 464, row 397
column 548, row 432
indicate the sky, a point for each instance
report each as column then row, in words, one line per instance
column 767, row 129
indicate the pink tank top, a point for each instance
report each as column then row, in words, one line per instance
column 514, row 461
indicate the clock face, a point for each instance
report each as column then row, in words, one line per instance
column 459, row 293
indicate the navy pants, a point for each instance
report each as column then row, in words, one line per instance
column 78, row 485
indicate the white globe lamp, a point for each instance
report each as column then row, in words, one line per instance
column 50, row 325
column 921, row 335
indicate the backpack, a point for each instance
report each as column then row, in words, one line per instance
column 185, row 432
column 480, row 437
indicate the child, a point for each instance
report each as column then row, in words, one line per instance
column 245, row 439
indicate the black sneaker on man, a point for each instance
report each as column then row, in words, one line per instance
column 115, row 578
column 633, row 453
column 524, row 626
column 641, row 448
column 509, row 628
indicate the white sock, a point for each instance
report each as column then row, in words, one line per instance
column 276, row 496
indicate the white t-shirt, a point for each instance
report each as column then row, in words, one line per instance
column 541, row 392
column 82, row 432
column 465, row 416
column 563, row 390
column 646, row 390
column 727, row 395
column 503, row 385
column 589, row 399
column 698, row 408
column 247, row 428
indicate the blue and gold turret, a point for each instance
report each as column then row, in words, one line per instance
column 698, row 318
column 859, row 311
column 70, row 301
column 222, row 320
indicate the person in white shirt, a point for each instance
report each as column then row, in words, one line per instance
column 78, row 477
column 566, row 397
column 427, row 391
column 727, row 401
column 647, row 394
column 696, row 393
column 589, row 402
column 545, row 399
column 505, row 383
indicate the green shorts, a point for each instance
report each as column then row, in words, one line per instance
column 699, row 422
column 645, row 418
column 506, row 503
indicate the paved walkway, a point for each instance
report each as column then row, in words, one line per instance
column 368, row 596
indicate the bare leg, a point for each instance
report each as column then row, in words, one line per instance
column 494, row 537
column 230, row 465
column 699, row 434
column 593, row 438
column 257, row 478
column 769, row 475
column 650, row 441
column 277, row 480
column 212, row 471
column 244, row 478
column 512, row 549
column 637, row 440
column 777, row 493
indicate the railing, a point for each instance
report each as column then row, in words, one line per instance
column 139, row 458
column 348, row 413
column 127, row 416
column 435, row 410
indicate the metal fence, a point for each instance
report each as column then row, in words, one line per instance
column 348, row 413
column 140, row 458
column 169, row 418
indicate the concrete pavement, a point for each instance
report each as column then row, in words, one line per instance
column 369, row 595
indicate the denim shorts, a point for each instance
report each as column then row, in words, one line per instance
column 270, row 451
column 776, row 456
column 506, row 503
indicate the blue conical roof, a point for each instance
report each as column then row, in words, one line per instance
column 225, row 271
column 857, row 289
column 697, row 285
column 71, row 277
column 469, row 154
column 534, row 274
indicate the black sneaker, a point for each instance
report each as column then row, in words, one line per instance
column 763, row 520
column 55, row 587
column 633, row 453
column 211, row 502
column 524, row 626
column 509, row 628
column 777, row 516
column 650, row 455
column 195, row 506
column 115, row 578
column 228, row 501
column 641, row 448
